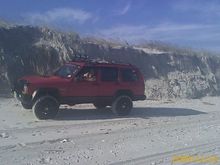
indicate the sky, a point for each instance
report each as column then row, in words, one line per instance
column 187, row 23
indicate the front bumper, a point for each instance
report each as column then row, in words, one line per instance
column 26, row 99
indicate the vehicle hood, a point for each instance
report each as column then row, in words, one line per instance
column 43, row 79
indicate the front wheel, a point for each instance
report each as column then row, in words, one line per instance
column 46, row 107
column 122, row 105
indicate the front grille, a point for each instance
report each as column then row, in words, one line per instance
column 19, row 86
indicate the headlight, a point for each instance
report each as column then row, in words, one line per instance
column 25, row 88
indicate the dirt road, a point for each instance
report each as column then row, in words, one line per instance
column 154, row 133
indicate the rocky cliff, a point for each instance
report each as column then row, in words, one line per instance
column 28, row 50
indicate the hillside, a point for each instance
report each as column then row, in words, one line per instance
column 168, row 72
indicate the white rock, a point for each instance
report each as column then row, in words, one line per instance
column 64, row 141
column 4, row 135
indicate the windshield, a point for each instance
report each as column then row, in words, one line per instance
column 66, row 71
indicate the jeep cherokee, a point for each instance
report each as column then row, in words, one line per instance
column 77, row 82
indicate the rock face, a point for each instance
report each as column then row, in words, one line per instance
column 26, row 50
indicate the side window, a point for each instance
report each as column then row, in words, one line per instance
column 65, row 71
column 87, row 74
column 129, row 75
column 109, row 74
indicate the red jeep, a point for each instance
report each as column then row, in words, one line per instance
column 103, row 84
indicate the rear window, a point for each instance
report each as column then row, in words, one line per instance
column 109, row 74
column 129, row 75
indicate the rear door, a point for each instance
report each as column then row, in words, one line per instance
column 108, row 81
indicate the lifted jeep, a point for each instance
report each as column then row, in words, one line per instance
column 77, row 82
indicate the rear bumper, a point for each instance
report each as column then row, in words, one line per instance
column 139, row 97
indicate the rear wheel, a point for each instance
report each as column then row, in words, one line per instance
column 46, row 107
column 122, row 105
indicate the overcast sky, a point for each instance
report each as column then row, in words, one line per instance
column 194, row 23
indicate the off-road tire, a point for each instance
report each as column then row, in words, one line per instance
column 122, row 105
column 26, row 106
column 46, row 107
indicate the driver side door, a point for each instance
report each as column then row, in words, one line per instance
column 85, row 88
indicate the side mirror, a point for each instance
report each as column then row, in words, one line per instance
column 76, row 79
column 69, row 76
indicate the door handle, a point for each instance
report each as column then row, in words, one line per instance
column 95, row 83
column 117, row 83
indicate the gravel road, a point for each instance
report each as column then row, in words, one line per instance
column 154, row 133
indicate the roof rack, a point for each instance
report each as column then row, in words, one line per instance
column 87, row 59
column 81, row 58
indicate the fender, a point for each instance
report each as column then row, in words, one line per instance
column 45, row 91
column 124, row 92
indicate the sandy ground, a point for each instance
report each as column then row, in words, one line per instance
column 153, row 133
